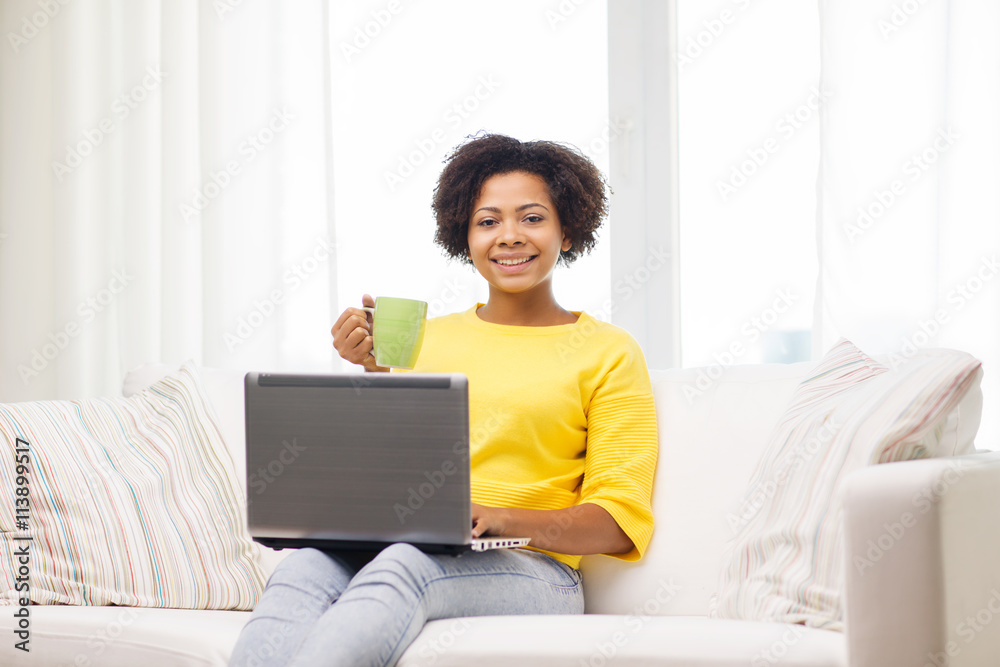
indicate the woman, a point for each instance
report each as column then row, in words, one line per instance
column 563, row 430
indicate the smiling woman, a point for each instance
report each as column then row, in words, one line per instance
column 533, row 205
column 565, row 459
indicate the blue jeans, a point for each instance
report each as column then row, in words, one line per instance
column 320, row 609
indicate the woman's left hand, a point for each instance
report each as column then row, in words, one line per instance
column 580, row 529
column 487, row 520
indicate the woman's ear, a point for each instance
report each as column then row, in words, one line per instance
column 567, row 242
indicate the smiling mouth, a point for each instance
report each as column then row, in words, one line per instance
column 514, row 262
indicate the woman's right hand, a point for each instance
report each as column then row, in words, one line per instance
column 352, row 336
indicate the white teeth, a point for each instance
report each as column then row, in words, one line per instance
column 513, row 262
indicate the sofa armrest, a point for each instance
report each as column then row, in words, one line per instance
column 922, row 562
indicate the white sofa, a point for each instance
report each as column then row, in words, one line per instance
column 928, row 600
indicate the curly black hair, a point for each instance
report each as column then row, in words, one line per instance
column 576, row 187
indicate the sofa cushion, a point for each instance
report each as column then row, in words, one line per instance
column 131, row 502
column 125, row 637
column 785, row 563
column 622, row 641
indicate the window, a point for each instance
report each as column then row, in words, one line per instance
column 748, row 145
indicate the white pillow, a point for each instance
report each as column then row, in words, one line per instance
column 785, row 562
column 130, row 502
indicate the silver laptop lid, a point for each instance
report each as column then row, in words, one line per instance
column 358, row 461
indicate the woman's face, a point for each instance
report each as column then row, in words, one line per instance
column 514, row 233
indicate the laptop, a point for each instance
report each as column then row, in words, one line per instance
column 360, row 461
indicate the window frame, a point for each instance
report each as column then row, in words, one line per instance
column 642, row 91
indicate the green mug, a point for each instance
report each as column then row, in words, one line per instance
column 398, row 327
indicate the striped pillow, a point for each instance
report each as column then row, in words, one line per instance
column 784, row 563
column 129, row 502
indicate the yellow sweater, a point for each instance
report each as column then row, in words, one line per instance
column 559, row 415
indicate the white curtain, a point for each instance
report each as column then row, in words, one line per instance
column 165, row 190
column 909, row 203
